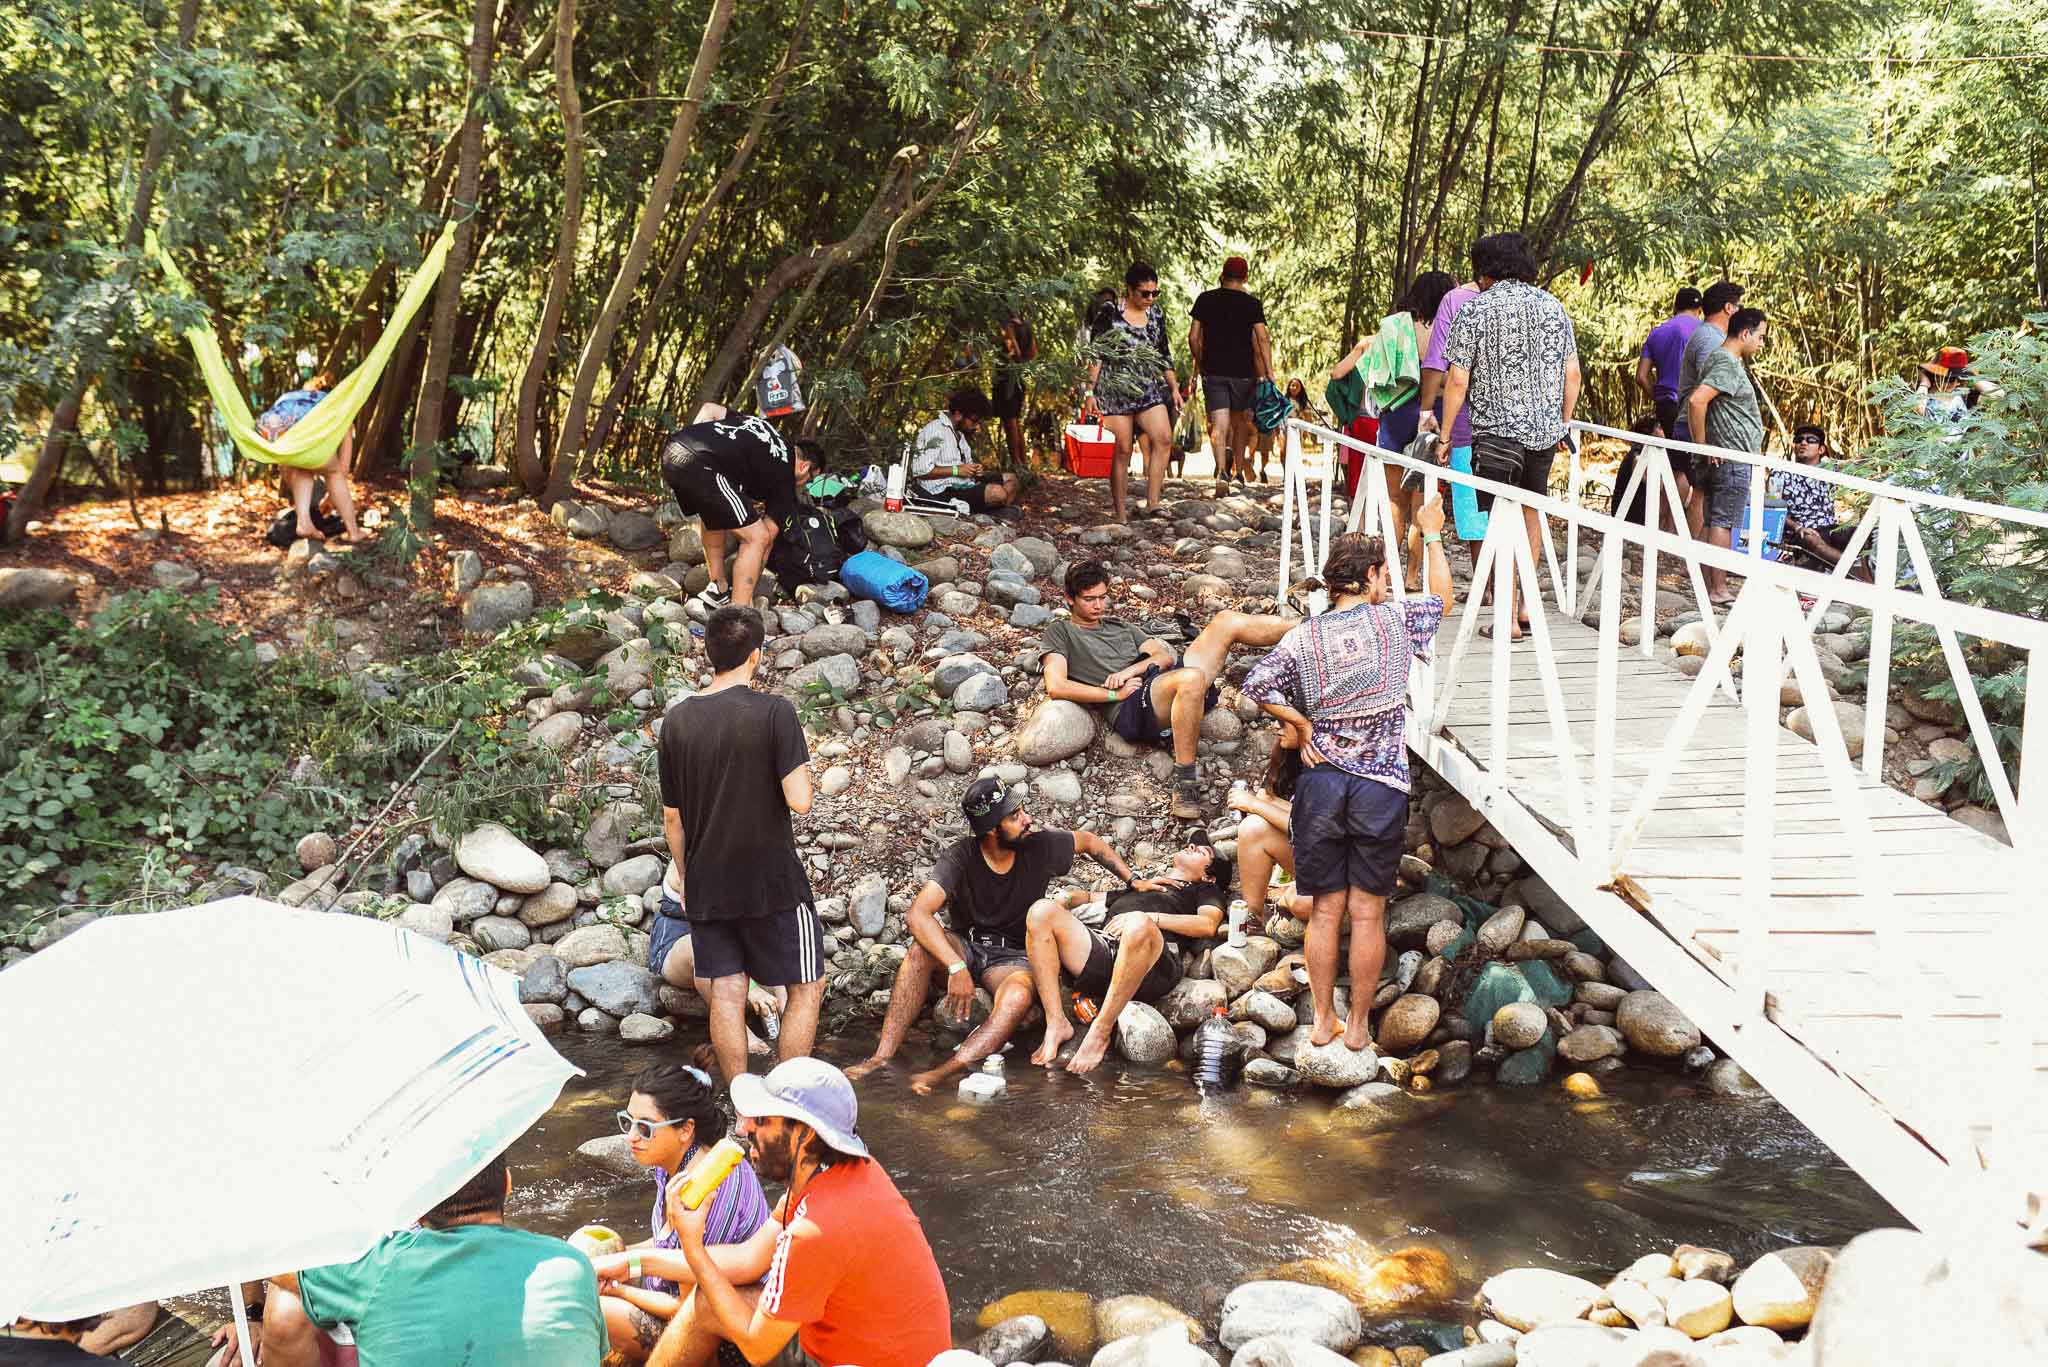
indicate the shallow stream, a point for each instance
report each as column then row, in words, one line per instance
column 1129, row 1182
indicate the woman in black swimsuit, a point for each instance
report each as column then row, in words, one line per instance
column 1134, row 388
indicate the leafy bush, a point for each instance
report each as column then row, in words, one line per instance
column 1998, row 454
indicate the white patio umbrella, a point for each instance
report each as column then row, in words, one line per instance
column 207, row 1096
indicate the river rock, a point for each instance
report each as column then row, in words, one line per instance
column 1265, row 1010
column 1070, row 1315
column 632, row 531
column 868, row 906
column 1590, row 1044
column 1334, row 1065
column 641, row 1028
column 492, row 606
column 1237, row 967
column 1122, row 1317
column 545, row 980
column 1022, row 1338
column 906, row 531
column 433, row 922
column 1799, row 721
column 1409, row 920
column 1166, row 1346
column 1695, row 1263
column 1290, row 1309
column 493, row 933
column 1059, row 786
column 617, row 988
column 1519, row 1025
column 1192, row 1001
column 1600, row 996
column 37, row 590
column 1277, row 1350
column 546, row 1016
column 1271, row 1072
column 837, row 673
column 1635, row 1300
column 1453, row 820
column 315, row 850
column 1653, row 1025
column 466, row 899
column 1380, row 1105
column 1894, row 1296
column 496, row 856
column 592, row 944
column 604, row 840
column 553, row 903
column 1726, row 1077
column 632, row 877
column 1475, row 1355
column 1407, row 1022
column 1527, row 1297
column 1697, row 1309
column 1570, row 1345
column 614, row 1154
column 1499, row 931
column 1056, row 729
column 1781, row 1290
column 1143, row 1036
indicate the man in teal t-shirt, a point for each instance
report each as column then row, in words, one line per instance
column 463, row 1289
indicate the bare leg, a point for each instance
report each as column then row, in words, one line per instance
column 1243, row 437
column 1326, row 909
column 1177, row 699
column 1158, row 446
column 121, row 1329
column 289, row 1338
column 339, row 490
column 1013, row 1006
column 1139, row 947
column 1527, row 598
column 691, row 1340
column 1054, row 938
column 1219, row 441
column 1013, row 438
column 1717, row 578
column 715, row 543
column 800, row 1019
column 299, row 484
column 1368, row 913
column 1120, row 427
column 906, row 1004
column 631, row 1331
column 1259, row 848
column 728, row 1001
column 755, row 539
column 1229, row 629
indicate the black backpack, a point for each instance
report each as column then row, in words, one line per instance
column 806, row 551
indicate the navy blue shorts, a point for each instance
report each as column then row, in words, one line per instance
column 670, row 930
column 782, row 950
column 1347, row 832
column 1137, row 722
column 983, row 955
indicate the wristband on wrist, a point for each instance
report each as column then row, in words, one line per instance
column 1432, row 538
column 957, row 966
column 633, row 1267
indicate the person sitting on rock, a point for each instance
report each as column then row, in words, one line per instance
column 942, row 460
column 1153, row 695
column 1263, row 834
column 994, row 881
column 718, row 468
column 1146, row 930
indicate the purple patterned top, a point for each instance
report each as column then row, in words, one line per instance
column 738, row 1208
column 1347, row 672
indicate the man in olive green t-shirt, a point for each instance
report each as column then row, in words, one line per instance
column 1724, row 408
column 1153, row 696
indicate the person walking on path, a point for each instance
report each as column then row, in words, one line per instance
column 1229, row 347
column 1514, row 358
column 1393, row 367
column 1339, row 682
column 1020, row 348
column 853, row 1279
column 1658, row 369
column 718, row 468
column 1719, row 303
column 1724, row 407
column 1135, row 389
column 1455, row 450
column 733, row 766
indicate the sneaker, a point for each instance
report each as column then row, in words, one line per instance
column 713, row 597
column 1187, row 800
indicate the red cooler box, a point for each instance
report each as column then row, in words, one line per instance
column 1091, row 450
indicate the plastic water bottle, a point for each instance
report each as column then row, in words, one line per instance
column 1219, row 1053
column 892, row 499
column 985, row 1085
column 1239, row 913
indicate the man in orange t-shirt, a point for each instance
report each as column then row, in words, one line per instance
column 853, row 1280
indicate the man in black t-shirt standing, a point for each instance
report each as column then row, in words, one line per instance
column 994, row 884
column 1232, row 352
column 719, row 467
column 733, row 767
column 1136, row 954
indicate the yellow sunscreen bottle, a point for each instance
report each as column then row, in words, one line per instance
column 711, row 1169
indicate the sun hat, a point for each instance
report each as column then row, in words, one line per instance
column 809, row 1091
column 987, row 802
column 1949, row 360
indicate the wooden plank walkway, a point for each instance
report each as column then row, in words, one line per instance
column 1905, row 1013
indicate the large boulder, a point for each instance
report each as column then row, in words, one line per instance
column 833, row 639
column 1122, row 1317
column 906, row 531
column 1143, row 1036
column 632, row 877
column 1043, row 555
column 1653, row 1025
column 1237, row 967
column 1407, row 1022
column 617, row 989
column 492, row 606
column 1526, row 1298
column 593, row 944
column 1056, row 729
column 1069, row 1314
column 1453, row 821
column 1291, row 1310
column 36, row 590
column 957, row 669
column 555, row 902
column 1897, row 1296
column 981, row 693
column 1192, row 1001
column 498, row 857
column 1335, row 1065
column 1782, row 1290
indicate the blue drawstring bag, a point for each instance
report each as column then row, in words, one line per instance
column 895, row 586
column 1269, row 406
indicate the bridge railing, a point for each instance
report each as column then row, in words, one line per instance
column 1771, row 630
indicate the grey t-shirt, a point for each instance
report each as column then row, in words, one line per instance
column 1706, row 339
column 1733, row 418
column 1094, row 653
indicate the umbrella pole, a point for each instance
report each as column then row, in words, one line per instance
column 241, row 1326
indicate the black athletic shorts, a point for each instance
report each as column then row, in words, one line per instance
column 782, row 950
column 1531, row 464
column 1681, row 461
column 722, row 497
column 1347, row 832
column 1136, row 720
column 982, row 955
column 1093, row 979
column 1228, row 391
column 1009, row 394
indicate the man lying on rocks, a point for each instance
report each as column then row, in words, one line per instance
column 993, row 881
column 1153, row 695
column 1145, row 931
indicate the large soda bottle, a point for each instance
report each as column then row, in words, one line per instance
column 1219, row 1053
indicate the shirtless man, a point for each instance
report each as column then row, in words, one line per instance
column 992, row 881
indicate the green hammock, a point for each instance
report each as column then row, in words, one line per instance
column 309, row 443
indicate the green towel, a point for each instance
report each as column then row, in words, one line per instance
column 1391, row 366
column 309, row 443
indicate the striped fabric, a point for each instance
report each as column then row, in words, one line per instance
column 738, row 1208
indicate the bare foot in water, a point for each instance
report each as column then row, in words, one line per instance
column 1089, row 1056
column 922, row 1083
column 864, row 1067
column 1057, row 1032
column 1321, row 1033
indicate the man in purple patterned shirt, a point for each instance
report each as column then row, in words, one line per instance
column 1339, row 682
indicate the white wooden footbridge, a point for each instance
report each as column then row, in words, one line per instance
column 1871, row 961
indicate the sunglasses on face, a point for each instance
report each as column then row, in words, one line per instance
column 1806, row 441
column 1148, row 294
column 633, row 1126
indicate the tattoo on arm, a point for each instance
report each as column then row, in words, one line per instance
column 646, row 1330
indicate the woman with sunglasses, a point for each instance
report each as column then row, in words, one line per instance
column 671, row 1120
column 1132, row 386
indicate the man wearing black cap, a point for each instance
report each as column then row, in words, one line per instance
column 1232, row 352
column 992, row 881
column 853, row 1280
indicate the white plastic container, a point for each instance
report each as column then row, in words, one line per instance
column 1238, row 912
column 899, row 476
column 982, row 1087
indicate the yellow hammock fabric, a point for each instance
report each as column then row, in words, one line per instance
column 309, row 443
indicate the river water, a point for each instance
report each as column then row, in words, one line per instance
column 1129, row 1182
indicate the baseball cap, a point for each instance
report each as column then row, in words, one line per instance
column 1236, row 268
column 809, row 1091
column 987, row 803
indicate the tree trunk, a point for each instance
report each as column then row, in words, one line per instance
column 1536, row 127
column 1454, row 149
column 1564, row 208
column 569, row 448
column 422, row 466
column 64, row 421
column 525, row 444
column 622, row 386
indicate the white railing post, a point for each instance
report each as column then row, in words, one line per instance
column 1290, row 470
column 2029, row 826
column 1600, row 844
column 1568, row 592
column 1323, row 527
column 1877, row 694
column 1504, row 521
column 1762, row 671
column 1646, row 608
column 1756, row 512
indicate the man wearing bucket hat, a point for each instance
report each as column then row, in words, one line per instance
column 992, row 882
column 853, row 1280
